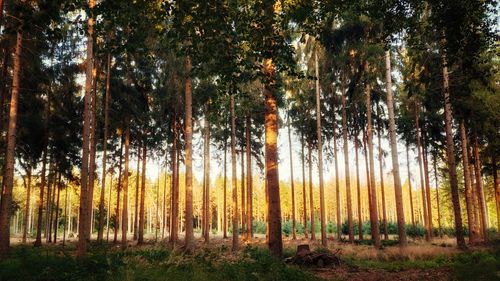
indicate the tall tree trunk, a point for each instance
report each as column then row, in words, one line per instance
column 142, row 218
column 496, row 185
column 427, row 187
column 398, row 189
column 225, row 192
column 358, row 184
column 450, row 153
column 436, row 179
column 118, row 190
column 125, row 187
column 243, row 215
column 56, row 222
column 290, row 150
column 235, row 242
column 174, row 200
column 137, row 184
column 320, row 154
column 8, row 178
column 84, row 231
column 468, row 190
column 28, row 203
column 410, row 187
column 250, row 181
column 271, row 164
column 66, row 218
column 346, row 162
column 108, row 213
column 337, row 186
column 381, row 166
column 188, row 161
column 206, row 177
column 373, row 193
column 304, row 193
column 104, row 151
column 480, row 191
column 92, row 155
column 311, row 193
column 418, row 137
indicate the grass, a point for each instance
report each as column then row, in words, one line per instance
column 146, row 264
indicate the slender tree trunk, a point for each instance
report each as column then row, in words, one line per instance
column 137, row 182
column 450, row 153
column 104, row 151
column 373, row 193
column 398, row 189
column 358, row 184
column 311, row 193
column 108, row 213
column 118, row 190
column 8, row 177
column 235, row 242
column 84, row 231
column 427, row 187
column 381, row 166
column 290, row 149
column 250, row 181
column 480, row 191
column 304, row 193
column 56, row 222
column 225, row 192
column 243, row 215
column 410, row 187
column 271, row 164
column 346, row 163
column 188, row 135
column 497, row 190
column 322, row 207
column 28, row 203
column 468, row 190
column 92, row 165
column 436, row 179
column 66, row 218
column 206, row 177
column 125, row 187
column 418, row 137
column 174, row 200
column 142, row 217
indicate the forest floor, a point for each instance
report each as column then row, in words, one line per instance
column 421, row 260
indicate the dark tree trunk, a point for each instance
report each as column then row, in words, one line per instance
column 125, row 187
column 142, row 218
column 346, row 163
column 8, row 178
column 235, row 243
column 304, row 193
column 28, row 203
column 137, row 184
column 410, row 187
column 250, row 180
column 188, row 138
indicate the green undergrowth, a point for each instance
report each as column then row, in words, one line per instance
column 252, row 263
column 483, row 265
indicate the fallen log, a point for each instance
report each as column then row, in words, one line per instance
column 304, row 257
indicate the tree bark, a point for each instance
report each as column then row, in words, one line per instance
column 381, row 166
column 418, row 137
column 28, row 203
column 142, row 218
column 450, row 153
column 92, row 155
column 480, row 191
column 358, row 184
column 346, row 163
column 174, row 200
column 137, row 184
column 56, row 222
column 496, row 185
column 188, row 162
column 225, row 192
column 84, row 231
column 235, row 242
column 436, row 179
column 125, row 186
column 206, row 181
column 118, row 190
column 304, row 193
column 271, row 164
column 104, row 151
column 409, row 187
column 320, row 154
column 373, row 193
column 427, row 187
column 8, row 178
column 468, row 191
column 311, row 193
column 250, row 180
column 398, row 189
column 290, row 150
column 243, row 215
